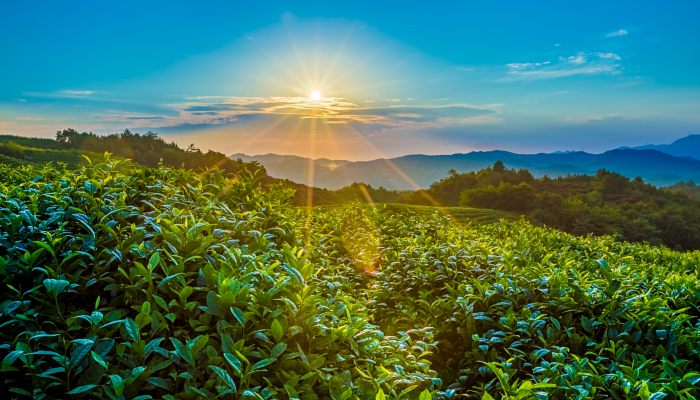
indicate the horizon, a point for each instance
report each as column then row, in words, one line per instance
column 635, row 147
column 322, row 80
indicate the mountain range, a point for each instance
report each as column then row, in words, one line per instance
column 688, row 146
column 660, row 165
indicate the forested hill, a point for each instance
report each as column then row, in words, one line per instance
column 146, row 149
column 603, row 203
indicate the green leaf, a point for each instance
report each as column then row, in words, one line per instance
column 169, row 278
column 295, row 273
column 692, row 377
column 235, row 363
column 644, row 391
column 277, row 330
column 182, row 351
column 197, row 344
column 224, row 376
column 98, row 359
column 262, row 364
column 82, row 389
column 486, row 396
column 132, row 330
column 117, row 384
column 153, row 261
column 657, row 396
column 96, row 317
column 10, row 358
column 278, row 350
column 56, row 286
column 380, row 395
column 80, row 352
column 425, row 395
column 136, row 372
column 238, row 315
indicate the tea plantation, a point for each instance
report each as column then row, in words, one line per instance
column 126, row 282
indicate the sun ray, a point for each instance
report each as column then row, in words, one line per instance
column 406, row 178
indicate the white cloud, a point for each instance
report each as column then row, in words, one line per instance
column 527, row 65
column 578, row 59
column 578, row 64
column 70, row 92
column 617, row 33
column 610, row 56
column 64, row 93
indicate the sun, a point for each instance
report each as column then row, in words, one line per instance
column 315, row 95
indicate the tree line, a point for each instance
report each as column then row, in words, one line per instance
column 604, row 203
column 150, row 150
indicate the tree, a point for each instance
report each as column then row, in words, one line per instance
column 498, row 166
column 519, row 198
column 66, row 136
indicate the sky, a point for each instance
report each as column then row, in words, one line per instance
column 355, row 80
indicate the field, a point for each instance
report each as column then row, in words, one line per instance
column 459, row 215
column 16, row 150
column 126, row 282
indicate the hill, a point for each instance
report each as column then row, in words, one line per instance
column 690, row 189
column 146, row 149
column 688, row 146
column 123, row 281
column 16, row 150
column 419, row 171
column 603, row 203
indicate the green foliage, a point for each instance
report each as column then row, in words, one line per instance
column 689, row 189
column 505, row 196
column 518, row 311
column 125, row 282
column 150, row 150
column 17, row 150
column 128, row 282
column 606, row 203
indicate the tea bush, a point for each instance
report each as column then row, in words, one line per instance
column 126, row 282
column 520, row 311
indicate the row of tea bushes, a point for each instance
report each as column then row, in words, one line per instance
column 519, row 311
column 125, row 282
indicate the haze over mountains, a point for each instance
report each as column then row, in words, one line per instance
column 660, row 165
column 688, row 146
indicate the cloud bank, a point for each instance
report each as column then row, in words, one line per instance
column 222, row 110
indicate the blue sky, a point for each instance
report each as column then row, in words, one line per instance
column 395, row 77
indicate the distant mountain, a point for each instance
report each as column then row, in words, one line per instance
column 688, row 146
column 414, row 171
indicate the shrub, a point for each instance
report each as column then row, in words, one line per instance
column 120, row 281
